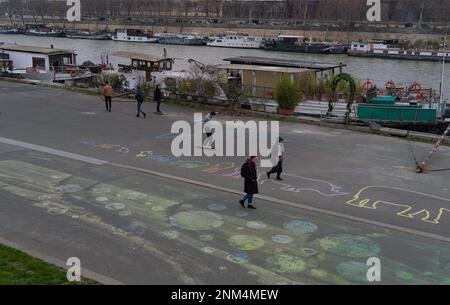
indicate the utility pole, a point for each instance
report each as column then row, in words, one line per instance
column 441, row 99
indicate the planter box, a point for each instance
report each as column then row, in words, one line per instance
column 285, row 111
column 272, row 108
column 259, row 107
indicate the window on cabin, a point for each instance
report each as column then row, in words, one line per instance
column 39, row 63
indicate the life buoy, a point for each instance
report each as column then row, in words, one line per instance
column 415, row 87
column 368, row 84
column 74, row 73
column 391, row 84
column 420, row 96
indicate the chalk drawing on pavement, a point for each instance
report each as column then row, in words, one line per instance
column 283, row 264
column 256, row 225
column 217, row 207
column 197, row 220
column 349, row 245
column 298, row 184
column 246, row 242
column 206, row 237
column 353, row 271
column 68, row 188
column 282, row 239
column 412, row 205
column 238, row 258
column 300, row 226
column 208, row 250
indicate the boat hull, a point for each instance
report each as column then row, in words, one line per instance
column 182, row 41
column 242, row 46
column 307, row 49
column 91, row 37
column 398, row 56
column 46, row 34
column 148, row 40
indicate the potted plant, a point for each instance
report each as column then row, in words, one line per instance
column 287, row 95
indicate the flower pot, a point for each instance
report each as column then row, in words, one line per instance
column 286, row 111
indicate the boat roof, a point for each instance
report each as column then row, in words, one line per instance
column 32, row 49
column 282, row 62
column 290, row 36
column 142, row 57
column 262, row 68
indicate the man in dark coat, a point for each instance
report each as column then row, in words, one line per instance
column 157, row 98
column 249, row 172
column 140, row 97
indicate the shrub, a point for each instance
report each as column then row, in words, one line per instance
column 287, row 94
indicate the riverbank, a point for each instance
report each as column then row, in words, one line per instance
column 330, row 123
column 320, row 32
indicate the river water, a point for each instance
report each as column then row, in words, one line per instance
column 378, row 70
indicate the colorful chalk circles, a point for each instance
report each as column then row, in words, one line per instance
column 197, row 220
column 300, row 226
column 246, row 242
column 348, row 245
column 286, row 264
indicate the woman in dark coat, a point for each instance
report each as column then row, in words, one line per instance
column 249, row 172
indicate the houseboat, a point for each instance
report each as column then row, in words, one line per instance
column 129, row 35
column 10, row 30
column 88, row 35
column 286, row 43
column 142, row 69
column 237, row 40
column 43, row 30
column 387, row 49
column 182, row 39
column 45, row 64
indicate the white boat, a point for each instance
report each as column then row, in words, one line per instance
column 237, row 40
column 133, row 36
column 44, row 64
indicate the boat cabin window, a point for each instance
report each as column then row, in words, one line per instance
column 38, row 63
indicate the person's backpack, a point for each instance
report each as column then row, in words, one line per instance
column 244, row 169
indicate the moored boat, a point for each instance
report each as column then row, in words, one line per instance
column 182, row 39
column 237, row 40
column 9, row 30
column 388, row 49
column 130, row 35
column 287, row 43
column 44, row 31
column 88, row 35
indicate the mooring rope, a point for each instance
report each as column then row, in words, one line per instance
column 421, row 167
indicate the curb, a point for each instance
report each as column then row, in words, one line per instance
column 101, row 279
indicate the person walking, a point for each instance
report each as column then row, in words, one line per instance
column 249, row 173
column 207, row 127
column 107, row 93
column 140, row 97
column 277, row 157
column 157, row 98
